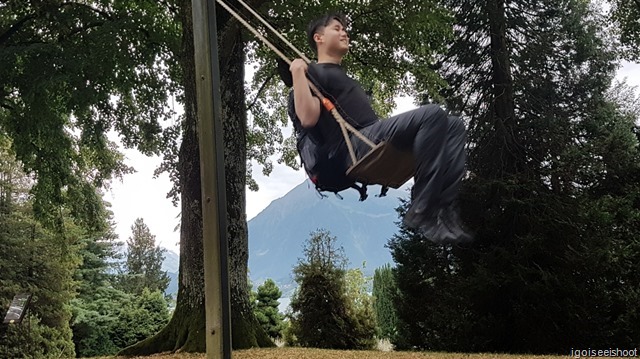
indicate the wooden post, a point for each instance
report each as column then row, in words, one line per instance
column 214, row 209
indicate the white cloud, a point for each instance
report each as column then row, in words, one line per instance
column 140, row 195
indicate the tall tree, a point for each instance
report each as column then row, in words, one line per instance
column 185, row 331
column 143, row 262
column 360, row 305
column 69, row 75
column 545, row 137
column 97, row 301
column 322, row 314
column 384, row 291
column 38, row 261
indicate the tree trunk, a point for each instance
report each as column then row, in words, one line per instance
column 506, row 148
column 246, row 330
column 185, row 331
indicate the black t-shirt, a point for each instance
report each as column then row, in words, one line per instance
column 346, row 94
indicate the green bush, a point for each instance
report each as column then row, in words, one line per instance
column 141, row 318
column 33, row 340
column 116, row 320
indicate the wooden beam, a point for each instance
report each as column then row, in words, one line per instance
column 214, row 213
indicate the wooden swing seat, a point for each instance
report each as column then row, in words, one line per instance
column 384, row 165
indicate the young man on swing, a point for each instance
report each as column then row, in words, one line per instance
column 435, row 139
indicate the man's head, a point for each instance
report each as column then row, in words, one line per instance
column 329, row 33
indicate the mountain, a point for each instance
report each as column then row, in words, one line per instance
column 277, row 234
column 171, row 261
column 170, row 265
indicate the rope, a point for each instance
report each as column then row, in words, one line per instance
column 280, row 36
column 254, row 31
column 328, row 105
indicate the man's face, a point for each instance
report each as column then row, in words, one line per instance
column 333, row 38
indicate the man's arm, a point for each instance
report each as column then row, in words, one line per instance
column 307, row 106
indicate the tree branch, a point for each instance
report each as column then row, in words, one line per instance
column 379, row 65
column 257, row 3
column 172, row 8
column 264, row 85
column 6, row 106
column 14, row 28
column 364, row 13
column 82, row 29
column 101, row 12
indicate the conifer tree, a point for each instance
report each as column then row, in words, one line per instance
column 267, row 308
column 98, row 303
column 384, row 291
column 143, row 262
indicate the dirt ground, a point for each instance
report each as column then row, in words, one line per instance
column 303, row 353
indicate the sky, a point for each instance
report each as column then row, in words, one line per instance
column 140, row 195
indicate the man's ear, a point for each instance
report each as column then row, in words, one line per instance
column 317, row 37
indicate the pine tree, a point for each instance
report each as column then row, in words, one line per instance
column 319, row 313
column 384, row 291
column 267, row 308
column 100, row 253
column 98, row 304
column 143, row 262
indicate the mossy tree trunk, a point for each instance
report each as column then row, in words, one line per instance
column 185, row 331
column 246, row 330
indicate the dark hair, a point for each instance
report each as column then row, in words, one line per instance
column 317, row 24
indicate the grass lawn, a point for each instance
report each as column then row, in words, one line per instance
column 304, row 353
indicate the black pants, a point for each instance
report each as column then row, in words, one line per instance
column 437, row 143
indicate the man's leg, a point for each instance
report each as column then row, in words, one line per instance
column 437, row 142
column 455, row 158
column 422, row 131
column 451, row 227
